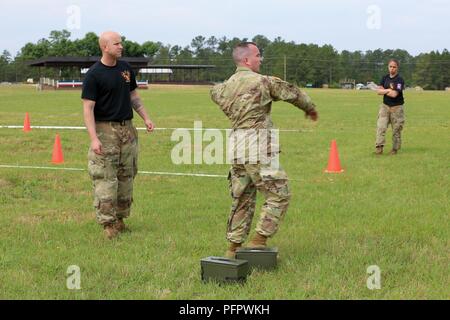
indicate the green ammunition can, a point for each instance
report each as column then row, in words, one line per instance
column 265, row 258
column 224, row 270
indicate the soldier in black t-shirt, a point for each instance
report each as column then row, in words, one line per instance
column 109, row 97
column 391, row 111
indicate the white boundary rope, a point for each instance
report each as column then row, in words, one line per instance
column 6, row 166
column 141, row 172
column 189, row 129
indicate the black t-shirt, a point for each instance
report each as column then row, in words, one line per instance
column 396, row 83
column 110, row 88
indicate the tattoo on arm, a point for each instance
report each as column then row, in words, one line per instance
column 136, row 103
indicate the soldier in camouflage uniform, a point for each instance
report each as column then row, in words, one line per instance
column 109, row 97
column 246, row 99
column 391, row 111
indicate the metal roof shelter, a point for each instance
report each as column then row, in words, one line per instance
column 182, row 73
column 83, row 62
column 182, row 66
column 178, row 73
column 76, row 64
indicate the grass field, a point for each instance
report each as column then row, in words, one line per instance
column 392, row 212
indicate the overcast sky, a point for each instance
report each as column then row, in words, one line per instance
column 415, row 25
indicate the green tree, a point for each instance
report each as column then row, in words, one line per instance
column 5, row 60
column 131, row 48
column 262, row 42
column 60, row 44
column 149, row 48
column 6, row 57
column 198, row 45
column 88, row 46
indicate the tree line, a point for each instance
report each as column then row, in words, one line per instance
column 304, row 64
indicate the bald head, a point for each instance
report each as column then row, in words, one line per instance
column 246, row 54
column 108, row 37
column 110, row 43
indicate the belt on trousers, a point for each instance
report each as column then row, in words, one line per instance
column 122, row 122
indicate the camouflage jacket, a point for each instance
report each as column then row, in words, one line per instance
column 246, row 99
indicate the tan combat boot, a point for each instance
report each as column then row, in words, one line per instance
column 393, row 152
column 110, row 231
column 120, row 226
column 379, row 151
column 258, row 242
column 231, row 252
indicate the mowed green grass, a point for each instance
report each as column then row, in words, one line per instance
column 392, row 212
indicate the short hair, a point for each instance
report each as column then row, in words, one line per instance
column 241, row 50
column 395, row 61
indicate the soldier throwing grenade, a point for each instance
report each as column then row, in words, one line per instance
column 246, row 99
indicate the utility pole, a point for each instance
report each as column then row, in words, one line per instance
column 331, row 75
column 285, row 68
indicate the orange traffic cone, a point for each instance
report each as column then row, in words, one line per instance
column 57, row 156
column 26, row 123
column 334, row 165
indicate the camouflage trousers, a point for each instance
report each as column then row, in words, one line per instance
column 394, row 116
column 244, row 181
column 113, row 171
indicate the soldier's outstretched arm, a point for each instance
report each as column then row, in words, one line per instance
column 216, row 93
column 285, row 91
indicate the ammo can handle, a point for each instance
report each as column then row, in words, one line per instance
column 221, row 259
